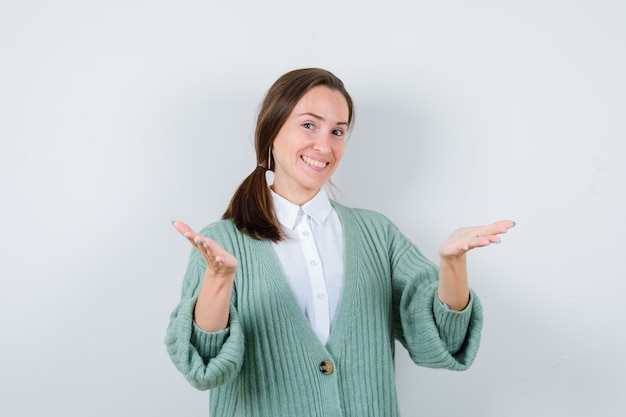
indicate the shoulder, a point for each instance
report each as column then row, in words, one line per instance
column 358, row 222
column 221, row 227
column 226, row 233
column 223, row 232
column 361, row 215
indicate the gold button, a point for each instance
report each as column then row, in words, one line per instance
column 327, row 367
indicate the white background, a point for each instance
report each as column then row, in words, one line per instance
column 117, row 117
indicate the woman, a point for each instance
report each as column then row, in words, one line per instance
column 292, row 302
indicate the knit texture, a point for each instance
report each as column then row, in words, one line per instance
column 267, row 362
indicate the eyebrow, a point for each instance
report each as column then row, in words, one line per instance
column 320, row 118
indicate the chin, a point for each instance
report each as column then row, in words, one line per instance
column 315, row 184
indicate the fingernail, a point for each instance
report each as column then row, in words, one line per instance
column 186, row 235
column 197, row 241
column 205, row 245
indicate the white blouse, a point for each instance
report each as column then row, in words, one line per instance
column 312, row 257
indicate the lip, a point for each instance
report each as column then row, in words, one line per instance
column 314, row 163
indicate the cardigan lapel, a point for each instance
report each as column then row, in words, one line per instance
column 279, row 281
column 348, row 300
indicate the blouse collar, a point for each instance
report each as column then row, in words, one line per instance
column 287, row 213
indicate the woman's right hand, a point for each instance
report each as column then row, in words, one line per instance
column 219, row 262
column 211, row 312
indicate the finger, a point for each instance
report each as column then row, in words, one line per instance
column 209, row 244
column 212, row 251
column 191, row 236
column 480, row 242
column 494, row 229
column 483, row 240
column 182, row 228
column 503, row 225
column 194, row 238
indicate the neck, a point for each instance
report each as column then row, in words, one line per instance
column 297, row 198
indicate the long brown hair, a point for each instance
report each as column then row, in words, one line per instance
column 251, row 207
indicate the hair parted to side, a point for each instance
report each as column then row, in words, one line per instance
column 251, row 207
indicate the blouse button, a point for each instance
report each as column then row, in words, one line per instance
column 327, row 367
column 305, row 233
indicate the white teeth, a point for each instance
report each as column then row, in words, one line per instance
column 313, row 162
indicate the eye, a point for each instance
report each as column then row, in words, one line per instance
column 338, row 132
column 308, row 125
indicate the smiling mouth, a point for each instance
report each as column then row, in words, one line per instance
column 313, row 162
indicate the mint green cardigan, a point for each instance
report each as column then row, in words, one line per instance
column 267, row 362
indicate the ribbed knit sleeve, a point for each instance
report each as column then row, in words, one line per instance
column 434, row 336
column 206, row 359
column 454, row 325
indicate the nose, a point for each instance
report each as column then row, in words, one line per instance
column 322, row 143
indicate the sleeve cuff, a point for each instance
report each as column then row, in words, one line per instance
column 208, row 344
column 453, row 325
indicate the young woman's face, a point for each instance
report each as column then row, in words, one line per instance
column 309, row 146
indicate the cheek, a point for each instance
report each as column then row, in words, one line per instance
column 338, row 151
column 280, row 149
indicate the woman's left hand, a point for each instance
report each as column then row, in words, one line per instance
column 467, row 238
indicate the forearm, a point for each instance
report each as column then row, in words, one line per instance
column 453, row 283
column 211, row 312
